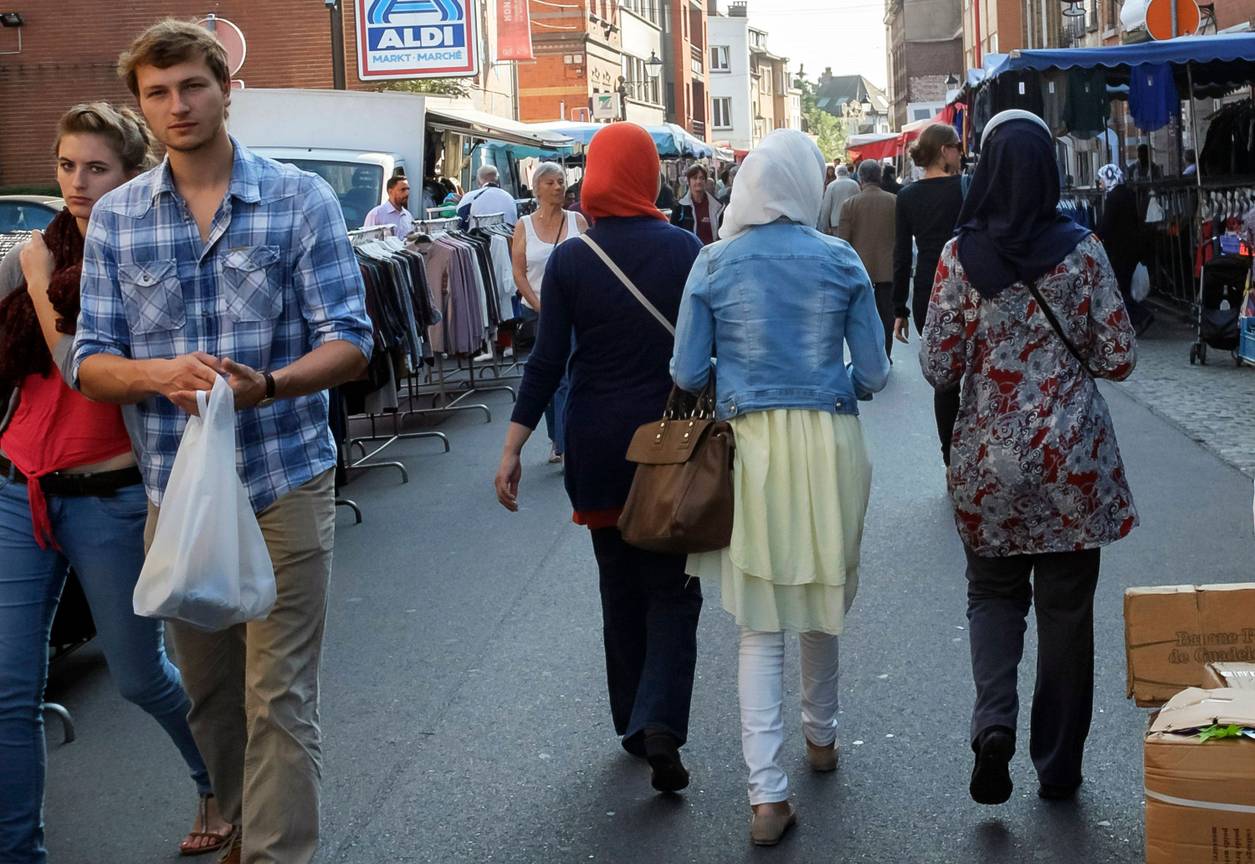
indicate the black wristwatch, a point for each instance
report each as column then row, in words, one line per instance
column 270, row 391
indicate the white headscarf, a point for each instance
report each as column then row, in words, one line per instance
column 1111, row 176
column 783, row 177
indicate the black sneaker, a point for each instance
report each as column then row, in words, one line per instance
column 991, row 777
column 663, row 753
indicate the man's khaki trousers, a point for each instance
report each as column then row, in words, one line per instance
column 254, row 687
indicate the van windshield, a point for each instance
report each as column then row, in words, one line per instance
column 358, row 185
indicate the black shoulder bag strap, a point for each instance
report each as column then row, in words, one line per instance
column 1058, row 328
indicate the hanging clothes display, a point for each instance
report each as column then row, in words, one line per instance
column 1229, row 149
column 1153, row 100
column 1089, row 106
column 471, row 278
column 1018, row 90
column 1054, row 95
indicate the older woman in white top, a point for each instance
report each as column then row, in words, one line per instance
column 535, row 238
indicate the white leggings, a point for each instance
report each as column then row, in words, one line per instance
column 760, row 684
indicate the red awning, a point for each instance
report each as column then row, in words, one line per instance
column 877, row 150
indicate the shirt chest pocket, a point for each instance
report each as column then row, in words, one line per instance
column 152, row 296
column 250, row 276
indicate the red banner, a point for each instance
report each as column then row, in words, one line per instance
column 514, row 30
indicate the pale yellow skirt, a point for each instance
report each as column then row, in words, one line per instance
column 801, row 481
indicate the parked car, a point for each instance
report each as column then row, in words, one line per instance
column 27, row 212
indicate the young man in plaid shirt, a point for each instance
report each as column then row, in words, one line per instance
column 220, row 262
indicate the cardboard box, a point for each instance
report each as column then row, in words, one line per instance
column 1239, row 676
column 1200, row 796
column 1172, row 632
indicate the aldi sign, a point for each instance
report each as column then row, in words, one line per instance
column 416, row 39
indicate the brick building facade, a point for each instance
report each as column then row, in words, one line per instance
column 70, row 50
column 577, row 50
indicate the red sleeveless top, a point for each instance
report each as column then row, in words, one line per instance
column 56, row 428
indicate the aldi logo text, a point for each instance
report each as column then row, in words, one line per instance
column 416, row 39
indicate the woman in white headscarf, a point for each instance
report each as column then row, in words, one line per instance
column 777, row 302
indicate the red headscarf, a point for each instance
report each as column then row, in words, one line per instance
column 621, row 173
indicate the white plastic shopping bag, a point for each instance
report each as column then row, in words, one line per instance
column 208, row 565
column 1140, row 286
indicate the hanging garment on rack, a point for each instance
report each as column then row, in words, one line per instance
column 982, row 113
column 451, row 274
column 1018, row 90
column 1229, row 148
column 1153, row 98
column 1054, row 95
column 1088, row 102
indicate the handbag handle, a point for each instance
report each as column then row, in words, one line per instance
column 627, row 283
column 1058, row 328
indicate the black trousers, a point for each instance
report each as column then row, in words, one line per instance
column 884, row 305
column 945, row 402
column 649, row 610
column 999, row 595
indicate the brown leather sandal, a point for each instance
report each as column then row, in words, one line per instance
column 194, row 843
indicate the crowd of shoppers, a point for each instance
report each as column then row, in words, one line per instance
column 110, row 325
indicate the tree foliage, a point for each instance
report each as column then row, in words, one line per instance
column 430, row 86
column 828, row 130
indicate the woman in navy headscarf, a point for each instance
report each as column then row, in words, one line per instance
column 1025, row 315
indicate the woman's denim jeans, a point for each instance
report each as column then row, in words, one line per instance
column 103, row 540
column 555, row 411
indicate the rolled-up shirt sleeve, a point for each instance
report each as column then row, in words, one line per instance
column 102, row 325
column 327, row 277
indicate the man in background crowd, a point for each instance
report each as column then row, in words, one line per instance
column 392, row 212
column 868, row 223
column 838, row 192
column 489, row 198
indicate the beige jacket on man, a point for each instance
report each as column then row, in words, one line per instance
column 867, row 223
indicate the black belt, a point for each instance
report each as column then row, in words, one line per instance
column 101, row 484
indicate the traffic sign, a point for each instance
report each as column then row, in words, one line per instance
column 231, row 37
column 1159, row 18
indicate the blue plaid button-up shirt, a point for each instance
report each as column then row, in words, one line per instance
column 276, row 279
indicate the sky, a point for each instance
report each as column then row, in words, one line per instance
column 848, row 35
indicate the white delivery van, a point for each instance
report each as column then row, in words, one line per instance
column 354, row 141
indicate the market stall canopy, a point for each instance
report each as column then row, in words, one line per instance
column 671, row 140
column 1220, row 63
column 465, row 120
column 878, row 145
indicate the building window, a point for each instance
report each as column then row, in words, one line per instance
column 696, row 66
column 721, row 112
column 720, row 58
column 640, row 85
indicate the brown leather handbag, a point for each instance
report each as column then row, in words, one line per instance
column 681, row 496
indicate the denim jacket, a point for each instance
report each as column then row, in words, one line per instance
column 777, row 304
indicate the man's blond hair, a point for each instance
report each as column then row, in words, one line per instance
column 168, row 43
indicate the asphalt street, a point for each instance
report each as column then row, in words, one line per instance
column 463, row 700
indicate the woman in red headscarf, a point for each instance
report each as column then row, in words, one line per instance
column 619, row 380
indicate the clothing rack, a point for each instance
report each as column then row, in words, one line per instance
column 357, row 236
column 364, row 462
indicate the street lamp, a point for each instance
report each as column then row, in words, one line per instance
column 13, row 19
column 653, row 64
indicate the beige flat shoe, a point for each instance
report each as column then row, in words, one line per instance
column 823, row 759
column 770, row 822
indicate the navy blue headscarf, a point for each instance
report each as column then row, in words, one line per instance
column 1010, row 228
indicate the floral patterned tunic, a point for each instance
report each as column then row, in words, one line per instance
column 1034, row 464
